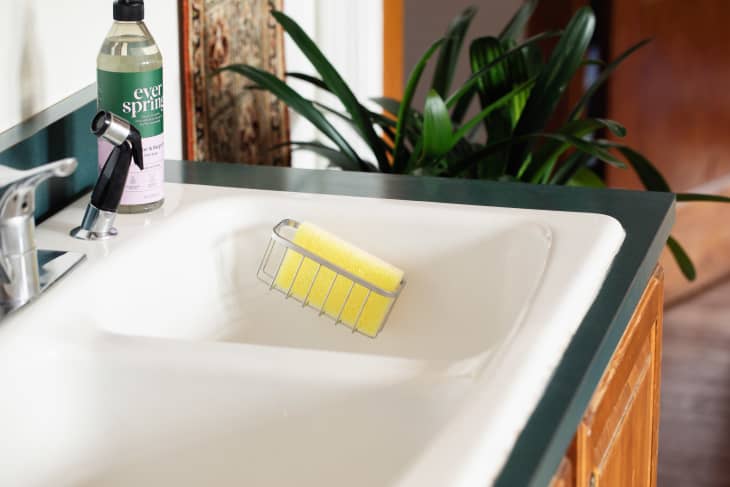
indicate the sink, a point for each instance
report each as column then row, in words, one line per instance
column 165, row 361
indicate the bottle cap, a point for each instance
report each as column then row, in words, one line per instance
column 129, row 10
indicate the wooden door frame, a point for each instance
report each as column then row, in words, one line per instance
column 393, row 49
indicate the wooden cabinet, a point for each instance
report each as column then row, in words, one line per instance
column 617, row 441
column 565, row 477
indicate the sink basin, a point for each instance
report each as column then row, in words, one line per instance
column 471, row 275
column 165, row 361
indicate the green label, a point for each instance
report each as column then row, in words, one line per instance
column 136, row 97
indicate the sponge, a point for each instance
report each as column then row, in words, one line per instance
column 345, row 299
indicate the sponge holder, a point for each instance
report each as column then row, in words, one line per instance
column 281, row 244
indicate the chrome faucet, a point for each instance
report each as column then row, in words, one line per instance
column 25, row 271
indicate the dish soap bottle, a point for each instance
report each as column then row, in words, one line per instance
column 129, row 83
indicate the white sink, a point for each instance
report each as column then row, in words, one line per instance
column 164, row 361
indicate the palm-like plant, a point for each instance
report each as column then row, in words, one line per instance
column 518, row 91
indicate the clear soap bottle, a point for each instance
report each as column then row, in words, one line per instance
column 129, row 82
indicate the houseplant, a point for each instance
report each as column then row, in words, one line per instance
column 517, row 90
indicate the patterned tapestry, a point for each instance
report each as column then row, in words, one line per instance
column 224, row 119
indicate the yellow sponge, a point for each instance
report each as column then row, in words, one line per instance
column 316, row 281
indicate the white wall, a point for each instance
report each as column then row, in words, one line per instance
column 427, row 20
column 48, row 51
column 350, row 34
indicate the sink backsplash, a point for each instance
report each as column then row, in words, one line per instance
column 67, row 136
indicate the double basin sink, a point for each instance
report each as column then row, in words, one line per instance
column 163, row 360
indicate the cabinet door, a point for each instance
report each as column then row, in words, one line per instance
column 565, row 476
column 618, row 438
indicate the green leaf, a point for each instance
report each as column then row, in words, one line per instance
column 586, row 126
column 516, row 25
column 683, row 260
column 615, row 127
column 509, row 76
column 437, row 128
column 483, row 52
column 532, row 55
column 415, row 118
column 520, row 71
column 386, row 130
column 586, row 178
column 610, row 68
column 386, row 124
column 649, row 175
column 382, row 121
column 459, row 166
column 593, row 148
column 511, row 73
column 335, row 157
column 312, row 80
column 449, row 55
column 390, row 105
column 404, row 110
column 389, row 134
column 462, row 106
column 569, row 167
column 336, row 84
column 412, row 164
column 546, row 158
column 710, row 198
column 475, row 77
column 327, row 109
column 494, row 84
column 501, row 102
column 564, row 62
column 297, row 103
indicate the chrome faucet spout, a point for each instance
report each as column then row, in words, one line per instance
column 20, row 273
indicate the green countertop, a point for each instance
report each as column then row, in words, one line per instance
column 646, row 217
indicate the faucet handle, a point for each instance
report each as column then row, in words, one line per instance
column 18, row 187
column 60, row 168
column 22, row 277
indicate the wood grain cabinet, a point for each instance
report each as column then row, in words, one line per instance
column 617, row 441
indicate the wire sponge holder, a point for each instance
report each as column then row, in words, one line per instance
column 317, row 283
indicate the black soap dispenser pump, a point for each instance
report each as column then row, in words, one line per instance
column 129, row 10
column 100, row 212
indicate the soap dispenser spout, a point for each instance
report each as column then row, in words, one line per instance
column 105, row 198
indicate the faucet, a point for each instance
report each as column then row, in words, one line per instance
column 98, row 222
column 25, row 271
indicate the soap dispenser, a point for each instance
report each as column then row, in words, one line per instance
column 127, row 146
column 129, row 84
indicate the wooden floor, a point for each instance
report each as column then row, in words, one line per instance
column 694, row 434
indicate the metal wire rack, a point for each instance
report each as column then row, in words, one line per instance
column 317, row 283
